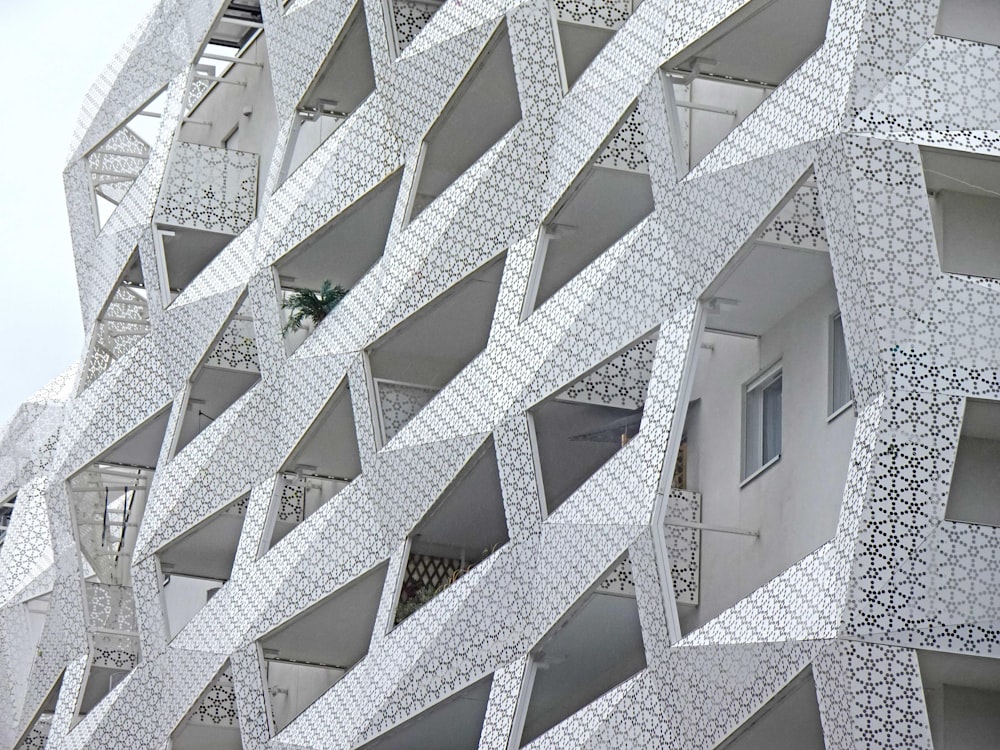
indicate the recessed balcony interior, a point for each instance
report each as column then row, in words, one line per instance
column 594, row 647
column 465, row 525
column 107, row 500
column 344, row 81
column 721, row 78
column 583, row 426
column 37, row 733
column 417, row 358
column 341, row 252
column 213, row 722
column 308, row 654
column 409, row 17
column 323, row 463
column 764, row 461
column 230, row 98
column 583, row 30
column 962, row 695
column 228, row 371
column 185, row 253
column 790, row 719
column 964, row 194
column 116, row 162
column 108, row 497
column 6, row 514
column 604, row 202
column 198, row 564
column 973, row 20
column 484, row 107
column 972, row 497
column 122, row 323
column 455, row 723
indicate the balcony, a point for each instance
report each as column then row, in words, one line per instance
column 344, row 81
column 715, row 83
column 418, row 357
column 579, row 429
column 121, row 325
column 974, row 20
column 593, row 648
column 768, row 429
column 408, row 18
column 312, row 651
column 584, row 29
column 464, row 526
column 6, row 513
column 962, row 695
column 964, row 194
column 208, row 196
column 230, row 98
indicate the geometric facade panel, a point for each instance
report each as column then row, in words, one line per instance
column 763, row 231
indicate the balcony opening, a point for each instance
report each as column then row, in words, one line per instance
column 455, row 723
column 121, row 324
column 107, row 500
column 725, row 75
column 182, row 254
column 344, row 81
column 596, row 646
column 974, row 20
column 582, row 427
column 37, row 610
column 230, row 98
column 113, row 640
column 116, row 162
column 790, row 719
column 962, row 694
column 417, row 358
column 213, row 723
column 964, row 193
column 198, row 564
column 972, row 497
column 484, row 107
column 323, row 463
column 37, row 733
column 609, row 197
column 340, row 253
column 759, row 483
column 408, row 18
column 463, row 527
column 308, row 654
column 108, row 497
column 228, row 371
column 583, row 31
column 6, row 514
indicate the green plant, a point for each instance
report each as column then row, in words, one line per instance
column 307, row 304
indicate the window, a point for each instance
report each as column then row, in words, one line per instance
column 841, row 392
column 762, row 422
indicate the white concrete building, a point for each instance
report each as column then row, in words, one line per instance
column 645, row 395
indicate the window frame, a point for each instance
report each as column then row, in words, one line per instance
column 759, row 383
column 834, row 410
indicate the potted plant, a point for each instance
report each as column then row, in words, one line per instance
column 307, row 304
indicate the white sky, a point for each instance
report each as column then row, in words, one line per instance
column 51, row 53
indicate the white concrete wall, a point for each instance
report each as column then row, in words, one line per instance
column 795, row 503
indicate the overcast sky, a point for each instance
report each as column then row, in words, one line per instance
column 53, row 50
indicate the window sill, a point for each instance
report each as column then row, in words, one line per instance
column 760, row 471
column 837, row 412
